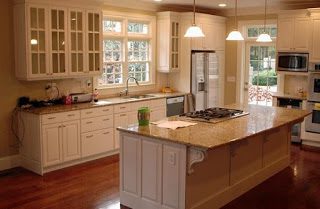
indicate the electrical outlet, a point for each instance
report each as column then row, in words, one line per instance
column 172, row 158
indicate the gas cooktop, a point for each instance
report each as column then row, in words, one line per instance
column 213, row 115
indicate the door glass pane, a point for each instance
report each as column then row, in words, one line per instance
column 33, row 18
column 80, row 40
column 61, row 20
column 80, row 62
column 90, row 21
column 73, row 20
column 74, row 62
column 90, row 41
column 41, row 18
column 34, row 41
column 79, row 21
column 62, row 63
column 34, row 60
column 54, row 41
column 55, row 63
column 54, row 19
column 73, row 41
column 96, row 22
column 42, row 63
column 61, row 41
column 42, row 41
column 97, row 62
column 97, row 42
column 91, row 62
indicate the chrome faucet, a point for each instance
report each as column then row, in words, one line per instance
column 126, row 90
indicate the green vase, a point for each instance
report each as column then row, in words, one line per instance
column 143, row 116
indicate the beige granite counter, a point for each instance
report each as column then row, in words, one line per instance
column 207, row 135
column 100, row 103
column 289, row 96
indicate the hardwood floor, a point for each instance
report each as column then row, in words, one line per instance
column 95, row 185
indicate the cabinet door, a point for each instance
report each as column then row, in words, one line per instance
column 71, row 140
column 58, row 27
column 315, row 40
column 301, row 34
column 175, row 42
column 246, row 158
column 94, row 42
column 157, row 114
column 77, row 41
column 210, row 36
column 285, row 34
column 219, row 36
column 37, row 42
column 51, row 144
column 119, row 120
column 197, row 43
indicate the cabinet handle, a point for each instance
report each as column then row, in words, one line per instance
column 106, row 119
column 106, row 110
column 51, row 118
column 70, row 115
column 106, row 133
column 90, row 136
column 122, row 115
column 89, row 122
column 122, row 108
column 88, row 113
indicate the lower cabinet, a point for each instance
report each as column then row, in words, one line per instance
column 121, row 119
column 97, row 142
column 61, row 142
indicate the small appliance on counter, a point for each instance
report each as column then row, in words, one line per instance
column 294, row 62
column 81, row 97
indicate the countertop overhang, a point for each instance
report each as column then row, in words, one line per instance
column 261, row 119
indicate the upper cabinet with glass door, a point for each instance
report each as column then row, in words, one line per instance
column 56, row 41
column 94, row 43
column 168, row 42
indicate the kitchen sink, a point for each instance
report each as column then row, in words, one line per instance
column 139, row 96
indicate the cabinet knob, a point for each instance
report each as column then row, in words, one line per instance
column 90, row 136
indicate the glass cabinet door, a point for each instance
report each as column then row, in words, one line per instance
column 174, row 45
column 38, row 55
column 76, row 21
column 94, row 23
column 58, row 41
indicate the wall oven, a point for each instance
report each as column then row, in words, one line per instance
column 313, row 120
column 314, row 87
column 296, row 62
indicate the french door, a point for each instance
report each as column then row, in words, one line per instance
column 260, row 78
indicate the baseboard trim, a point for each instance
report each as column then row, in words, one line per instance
column 9, row 162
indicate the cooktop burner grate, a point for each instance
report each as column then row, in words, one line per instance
column 214, row 113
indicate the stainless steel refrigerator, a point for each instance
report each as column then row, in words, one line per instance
column 205, row 79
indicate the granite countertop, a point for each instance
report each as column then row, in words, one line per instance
column 289, row 96
column 100, row 103
column 208, row 135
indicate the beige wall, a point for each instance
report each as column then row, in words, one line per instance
column 231, row 57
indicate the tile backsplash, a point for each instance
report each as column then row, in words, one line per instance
column 295, row 83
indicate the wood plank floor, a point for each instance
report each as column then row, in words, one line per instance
column 95, row 185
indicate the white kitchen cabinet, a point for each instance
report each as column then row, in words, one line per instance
column 168, row 41
column 158, row 114
column 56, row 41
column 61, row 142
column 121, row 119
column 97, row 142
column 315, row 39
column 293, row 33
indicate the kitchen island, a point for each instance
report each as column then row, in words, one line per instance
column 207, row 165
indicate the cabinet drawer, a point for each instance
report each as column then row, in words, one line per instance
column 122, row 108
column 95, row 112
column 97, row 123
column 157, row 103
column 136, row 105
column 60, row 117
column 97, row 142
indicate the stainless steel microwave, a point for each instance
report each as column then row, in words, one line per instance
column 296, row 62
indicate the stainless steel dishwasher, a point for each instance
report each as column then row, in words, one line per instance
column 175, row 106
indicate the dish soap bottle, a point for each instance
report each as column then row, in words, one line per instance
column 95, row 95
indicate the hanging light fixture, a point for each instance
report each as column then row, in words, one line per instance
column 194, row 31
column 235, row 35
column 264, row 37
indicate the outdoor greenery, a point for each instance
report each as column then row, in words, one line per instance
column 265, row 78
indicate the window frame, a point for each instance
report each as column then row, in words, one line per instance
column 259, row 26
column 124, row 36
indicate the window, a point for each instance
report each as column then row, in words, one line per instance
column 255, row 31
column 126, row 53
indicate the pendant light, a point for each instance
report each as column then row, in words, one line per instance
column 264, row 37
column 235, row 35
column 194, row 31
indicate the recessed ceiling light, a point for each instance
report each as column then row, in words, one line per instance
column 157, row 0
column 222, row 5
